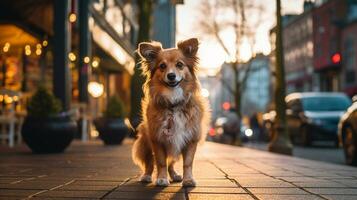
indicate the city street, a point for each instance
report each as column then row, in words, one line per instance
column 322, row 151
column 93, row 171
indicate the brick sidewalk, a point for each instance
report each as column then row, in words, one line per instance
column 94, row 171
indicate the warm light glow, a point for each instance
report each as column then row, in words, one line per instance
column 94, row 133
column 95, row 89
column 15, row 98
column 226, row 106
column 205, row 92
column 6, row 47
column 27, row 50
column 86, row 59
column 72, row 17
column 38, row 52
column 44, row 43
column 8, row 99
column 72, row 57
column 1, row 98
column 95, row 62
column 38, row 46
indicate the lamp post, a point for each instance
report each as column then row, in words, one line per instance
column 280, row 142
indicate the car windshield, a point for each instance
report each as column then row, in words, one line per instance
column 326, row 103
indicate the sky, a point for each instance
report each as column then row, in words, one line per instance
column 212, row 56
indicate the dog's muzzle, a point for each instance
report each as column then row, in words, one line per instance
column 173, row 83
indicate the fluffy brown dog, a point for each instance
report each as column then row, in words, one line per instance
column 175, row 115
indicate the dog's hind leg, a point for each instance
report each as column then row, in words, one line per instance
column 175, row 177
column 143, row 157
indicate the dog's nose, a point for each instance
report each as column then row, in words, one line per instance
column 171, row 76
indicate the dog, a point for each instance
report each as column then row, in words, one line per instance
column 175, row 116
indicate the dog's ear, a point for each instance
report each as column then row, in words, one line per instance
column 148, row 51
column 189, row 47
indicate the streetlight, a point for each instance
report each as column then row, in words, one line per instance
column 280, row 142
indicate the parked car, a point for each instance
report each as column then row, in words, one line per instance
column 227, row 127
column 347, row 129
column 312, row 116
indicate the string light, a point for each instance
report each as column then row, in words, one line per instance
column 95, row 62
column 72, row 18
column 27, row 50
column 72, row 57
column 6, row 47
column 38, row 49
column 38, row 52
column 45, row 43
column 86, row 59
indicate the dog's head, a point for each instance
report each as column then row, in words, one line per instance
column 172, row 66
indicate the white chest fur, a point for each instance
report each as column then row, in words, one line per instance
column 174, row 95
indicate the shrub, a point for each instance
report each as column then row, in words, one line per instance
column 115, row 108
column 43, row 104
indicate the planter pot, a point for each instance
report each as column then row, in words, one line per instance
column 111, row 130
column 48, row 135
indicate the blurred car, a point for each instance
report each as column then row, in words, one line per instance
column 311, row 116
column 347, row 129
column 228, row 127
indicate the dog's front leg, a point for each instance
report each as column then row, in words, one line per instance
column 188, row 156
column 161, row 165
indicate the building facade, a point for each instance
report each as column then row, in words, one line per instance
column 334, row 45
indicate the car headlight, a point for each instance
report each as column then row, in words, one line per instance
column 248, row 132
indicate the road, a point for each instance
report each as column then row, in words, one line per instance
column 321, row 152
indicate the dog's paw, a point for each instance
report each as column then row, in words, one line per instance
column 176, row 178
column 145, row 178
column 189, row 183
column 162, row 182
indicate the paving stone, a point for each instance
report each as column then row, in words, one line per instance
column 213, row 190
column 151, row 188
column 340, row 197
column 318, row 184
column 277, row 191
column 72, row 194
column 219, row 197
column 145, row 196
column 88, row 187
column 343, row 191
column 99, row 183
column 93, row 171
column 17, row 192
column 287, row 197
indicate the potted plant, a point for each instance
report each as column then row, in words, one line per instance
column 46, row 129
column 112, row 127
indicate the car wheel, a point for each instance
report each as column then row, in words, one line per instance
column 349, row 145
column 305, row 136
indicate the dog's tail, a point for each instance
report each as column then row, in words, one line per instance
column 142, row 153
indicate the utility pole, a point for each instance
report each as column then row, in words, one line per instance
column 280, row 142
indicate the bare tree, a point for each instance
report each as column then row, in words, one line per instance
column 241, row 18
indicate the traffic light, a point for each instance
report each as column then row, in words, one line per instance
column 336, row 58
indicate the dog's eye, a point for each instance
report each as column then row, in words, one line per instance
column 162, row 66
column 179, row 65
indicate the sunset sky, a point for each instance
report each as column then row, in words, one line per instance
column 211, row 54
